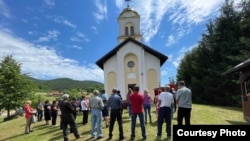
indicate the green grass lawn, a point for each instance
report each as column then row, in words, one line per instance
column 201, row 114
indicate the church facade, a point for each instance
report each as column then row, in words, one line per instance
column 131, row 62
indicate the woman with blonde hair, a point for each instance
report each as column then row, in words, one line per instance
column 28, row 110
column 156, row 103
column 147, row 105
column 130, row 91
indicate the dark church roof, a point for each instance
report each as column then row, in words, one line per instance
column 157, row 54
column 238, row 67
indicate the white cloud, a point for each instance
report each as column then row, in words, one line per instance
column 80, row 37
column 24, row 20
column 62, row 20
column 102, row 11
column 164, row 73
column 182, row 14
column 183, row 50
column 52, row 35
column 171, row 40
column 49, row 2
column 76, row 47
column 41, row 62
column 32, row 32
column 94, row 28
column 4, row 9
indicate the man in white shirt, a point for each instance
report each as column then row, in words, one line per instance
column 165, row 102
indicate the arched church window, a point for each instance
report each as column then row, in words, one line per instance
column 132, row 30
column 126, row 31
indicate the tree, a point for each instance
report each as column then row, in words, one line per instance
column 245, row 31
column 15, row 88
column 221, row 47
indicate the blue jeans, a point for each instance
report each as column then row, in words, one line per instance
column 147, row 112
column 164, row 115
column 129, row 110
column 96, row 123
column 133, row 124
column 172, row 111
column 39, row 115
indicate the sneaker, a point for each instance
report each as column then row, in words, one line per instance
column 122, row 138
column 79, row 137
column 99, row 137
column 168, row 136
column 158, row 137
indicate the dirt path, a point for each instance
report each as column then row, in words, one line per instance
column 4, row 113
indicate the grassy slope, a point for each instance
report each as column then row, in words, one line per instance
column 201, row 114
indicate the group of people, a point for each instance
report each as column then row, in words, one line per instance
column 109, row 108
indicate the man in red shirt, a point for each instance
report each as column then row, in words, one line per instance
column 136, row 100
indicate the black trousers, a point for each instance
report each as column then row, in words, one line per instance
column 54, row 117
column 73, row 128
column 85, row 115
column 183, row 113
column 164, row 115
column 116, row 114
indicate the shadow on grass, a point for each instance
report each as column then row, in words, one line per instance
column 14, row 137
column 237, row 122
column 239, row 109
column 56, row 137
column 40, row 127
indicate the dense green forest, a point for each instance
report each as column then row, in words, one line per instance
column 225, row 44
column 62, row 84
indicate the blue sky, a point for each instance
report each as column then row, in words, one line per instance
column 64, row 38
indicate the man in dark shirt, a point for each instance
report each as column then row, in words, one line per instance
column 115, row 104
column 67, row 117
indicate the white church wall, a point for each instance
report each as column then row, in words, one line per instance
column 152, row 62
column 109, row 66
column 127, row 49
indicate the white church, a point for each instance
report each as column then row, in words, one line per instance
column 131, row 62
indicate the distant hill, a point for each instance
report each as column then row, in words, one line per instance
column 66, row 83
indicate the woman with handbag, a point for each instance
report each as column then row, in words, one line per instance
column 29, row 112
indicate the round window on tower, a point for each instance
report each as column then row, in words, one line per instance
column 131, row 64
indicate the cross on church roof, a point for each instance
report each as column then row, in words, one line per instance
column 127, row 2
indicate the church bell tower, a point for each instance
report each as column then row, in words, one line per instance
column 129, row 25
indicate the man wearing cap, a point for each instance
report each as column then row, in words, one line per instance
column 67, row 117
column 96, row 105
column 136, row 100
